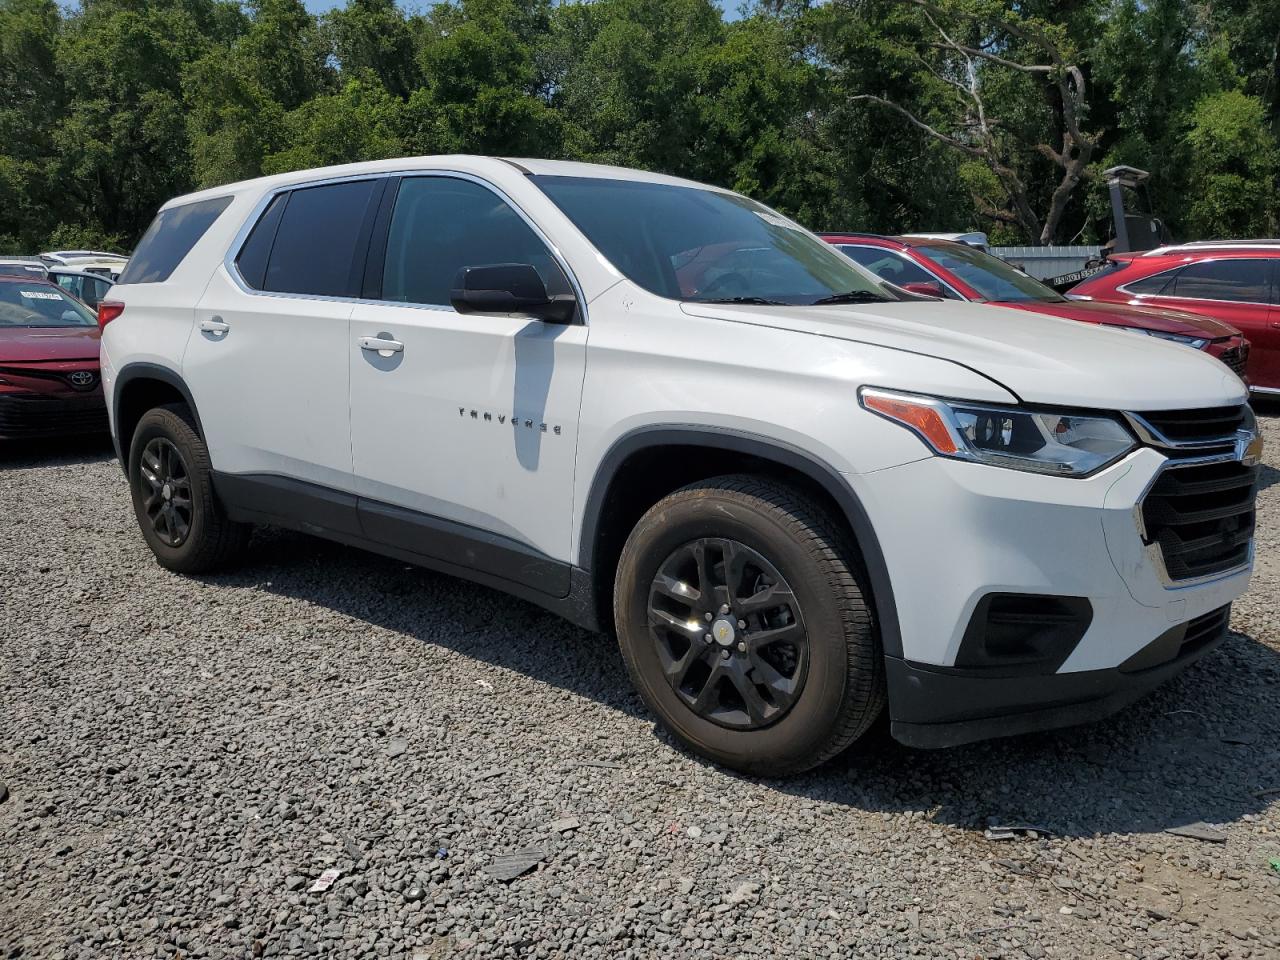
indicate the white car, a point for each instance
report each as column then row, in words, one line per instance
column 795, row 492
column 109, row 265
column 84, row 285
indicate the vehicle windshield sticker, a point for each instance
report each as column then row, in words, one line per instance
column 776, row 220
column 39, row 295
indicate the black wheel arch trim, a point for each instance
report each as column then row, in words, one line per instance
column 142, row 370
column 766, row 448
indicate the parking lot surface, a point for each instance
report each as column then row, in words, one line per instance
column 185, row 757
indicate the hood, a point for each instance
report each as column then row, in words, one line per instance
column 1040, row 359
column 1129, row 315
column 36, row 344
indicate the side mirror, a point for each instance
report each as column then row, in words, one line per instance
column 509, row 288
column 926, row 288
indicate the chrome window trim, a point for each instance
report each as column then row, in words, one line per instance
column 260, row 207
column 898, row 253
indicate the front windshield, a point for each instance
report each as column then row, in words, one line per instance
column 705, row 246
column 41, row 305
column 990, row 276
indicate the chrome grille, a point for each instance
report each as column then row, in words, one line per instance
column 1207, row 425
column 1200, row 517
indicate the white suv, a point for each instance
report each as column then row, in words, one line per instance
column 795, row 492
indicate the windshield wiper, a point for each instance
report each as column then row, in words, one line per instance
column 755, row 300
column 852, row 296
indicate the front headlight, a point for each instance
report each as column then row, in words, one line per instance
column 1195, row 343
column 1063, row 444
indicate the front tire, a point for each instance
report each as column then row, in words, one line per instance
column 743, row 626
column 170, row 478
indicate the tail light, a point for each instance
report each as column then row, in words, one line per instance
column 108, row 310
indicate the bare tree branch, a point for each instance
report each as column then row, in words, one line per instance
column 920, row 124
column 1066, row 81
column 975, row 52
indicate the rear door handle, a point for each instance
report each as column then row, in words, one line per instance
column 381, row 345
column 214, row 325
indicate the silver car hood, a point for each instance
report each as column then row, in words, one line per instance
column 1039, row 359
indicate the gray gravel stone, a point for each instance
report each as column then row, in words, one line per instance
column 206, row 747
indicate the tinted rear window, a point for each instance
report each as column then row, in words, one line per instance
column 170, row 238
column 320, row 233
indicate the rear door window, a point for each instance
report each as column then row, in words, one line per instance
column 322, row 239
column 1240, row 281
column 170, row 238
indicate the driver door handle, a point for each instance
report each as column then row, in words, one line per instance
column 380, row 345
column 214, row 325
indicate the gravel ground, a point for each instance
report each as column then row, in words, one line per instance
column 185, row 757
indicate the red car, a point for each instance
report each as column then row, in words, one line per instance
column 50, row 384
column 1237, row 282
column 943, row 268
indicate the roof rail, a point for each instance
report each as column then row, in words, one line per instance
column 1214, row 245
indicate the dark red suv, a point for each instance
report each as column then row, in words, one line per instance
column 943, row 268
column 1237, row 282
column 50, row 384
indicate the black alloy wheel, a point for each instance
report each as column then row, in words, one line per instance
column 743, row 623
column 167, row 494
column 171, row 485
column 729, row 633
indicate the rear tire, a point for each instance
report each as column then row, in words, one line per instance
column 793, row 672
column 170, row 478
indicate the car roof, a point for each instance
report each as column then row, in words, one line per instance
column 875, row 239
column 451, row 162
column 1261, row 248
column 903, row 242
column 63, row 255
column 33, row 267
column 8, row 278
column 74, row 271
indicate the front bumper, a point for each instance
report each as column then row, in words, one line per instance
column 956, row 534
column 941, row 707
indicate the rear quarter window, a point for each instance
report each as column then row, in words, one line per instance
column 169, row 239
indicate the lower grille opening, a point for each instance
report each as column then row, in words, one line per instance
column 1201, row 518
column 40, row 417
column 1181, row 641
column 1019, row 633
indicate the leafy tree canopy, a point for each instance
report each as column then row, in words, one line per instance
column 881, row 115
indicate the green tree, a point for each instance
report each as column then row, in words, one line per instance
column 121, row 147
column 32, row 100
column 359, row 122
column 483, row 91
column 375, row 37
column 630, row 78
column 1234, row 162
